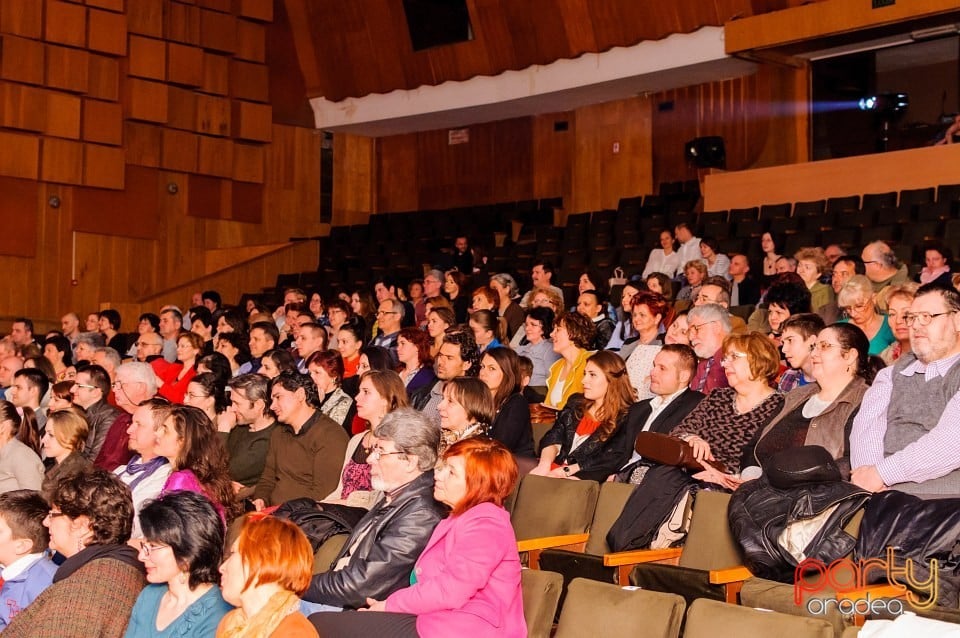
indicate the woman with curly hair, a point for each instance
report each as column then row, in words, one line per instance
column 200, row 463
column 572, row 335
column 416, row 363
column 591, row 438
column 176, row 378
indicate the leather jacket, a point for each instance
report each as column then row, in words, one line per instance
column 759, row 512
column 391, row 538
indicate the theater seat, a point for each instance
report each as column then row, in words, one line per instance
column 602, row 610
column 541, row 594
column 709, row 618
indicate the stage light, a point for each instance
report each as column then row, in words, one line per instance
column 886, row 104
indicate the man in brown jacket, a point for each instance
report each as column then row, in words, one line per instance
column 306, row 452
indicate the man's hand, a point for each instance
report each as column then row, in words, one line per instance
column 867, row 477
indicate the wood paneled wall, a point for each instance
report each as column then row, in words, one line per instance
column 351, row 49
column 151, row 123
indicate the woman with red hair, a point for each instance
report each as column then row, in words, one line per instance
column 467, row 580
column 650, row 311
column 267, row 569
column 416, row 362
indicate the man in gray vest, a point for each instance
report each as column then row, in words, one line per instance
column 907, row 433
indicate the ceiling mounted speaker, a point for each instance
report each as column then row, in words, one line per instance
column 706, row 152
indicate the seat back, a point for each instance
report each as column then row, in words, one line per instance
column 327, row 552
column 603, row 610
column 541, row 593
column 613, row 496
column 553, row 506
column 710, row 618
column 710, row 544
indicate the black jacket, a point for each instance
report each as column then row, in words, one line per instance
column 597, row 459
column 671, row 416
column 511, row 426
column 749, row 292
column 759, row 512
column 392, row 536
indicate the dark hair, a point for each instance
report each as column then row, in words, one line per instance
column 421, row 341
column 600, row 283
column 153, row 319
column 214, row 386
column 238, row 340
column 378, row 357
column 256, row 387
column 269, row 329
column 211, row 295
column 858, row 266
column 100, row 496
column 189, row 523
column 795, row 297
column 469, row 352
column 62, row 344
column 235, row 320
column 218, row 364
column 711, row 243
column 43, row 365
column 203, row 315
column 596, row 297
column 949, row 295
column 331, row 361
column 720, row 282
column 24, row 424
column 341, row 305
column 545, row 316
column 36, row 378
column 666, row 284
column 686, row 357
column 203, row 453
column 808, row 324
column 98, row 377
column 281, row 358
column 61, row 390
column 509, row 364
column 291, row 381
column 851, row 337
column 581, row 330
column 177, row 315
column 24, row 512
column 354, row 326
column 460, row 279
column 112, row 317
column 27, row 323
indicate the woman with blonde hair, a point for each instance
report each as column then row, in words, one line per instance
column 812, row 263
column 899, row 298
column 64, row 437
column 859, row 305
column 591, row 436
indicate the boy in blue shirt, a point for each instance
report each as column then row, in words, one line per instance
column 27, row 568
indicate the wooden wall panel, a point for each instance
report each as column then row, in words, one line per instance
column 143, row 143
column 215, row 156
column 184, row 64
column 22, row 60
column 132, row 212
column 61, row 161
column 398, row 173
column 65, row 23
column 216, row 74
column 181, row 23
column 251, row 121
column 354, row 179
column 251, row 41
column 62, row 115
column 148, row 58
column 146, row 101
column 23, row 107
column 102, row 122
column 248, row 162
column 22, row 17
column 179, row 150
column 67, row 68
column 107, row 32
column 104, row 80
column 218, row 31
column 146, row 17
column 18, row 205
column 103, row 166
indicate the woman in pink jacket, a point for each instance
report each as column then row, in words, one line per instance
column 467, row 580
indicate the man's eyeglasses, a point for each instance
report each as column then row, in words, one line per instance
column 694, row 329
column 377, row 452
column 923, row 318
column 386, row 312
column 85, row 385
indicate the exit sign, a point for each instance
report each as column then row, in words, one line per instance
column 877, row 4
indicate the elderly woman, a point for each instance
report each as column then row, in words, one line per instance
column 64, row 437
column 723, row 423
column 591, row 438
column 899, row 298
column 859, row 305
column 466, row 410
column 695, row 271
column 537, row 346
column 176, row 378
column 455, row 287
column 505, row 286
column 665, row 259
column 380, row 393
column 438, row 320
column 650, row 311
column 467, row 580
column 812, row 263
column 267, row 568
column 500, row 372
column 95, row 588
column 326, row 370
column 197, row 457
column 819, row 413
column 181, row 551
column 571, row 337
column 413, row 352
column 20, row 464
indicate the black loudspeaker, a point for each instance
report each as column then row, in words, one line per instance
column 706, row 152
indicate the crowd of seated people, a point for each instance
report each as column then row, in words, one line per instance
column 128, row 457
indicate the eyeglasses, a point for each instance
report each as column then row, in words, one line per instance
column 378, row 452
column 149, row 548
column 386, row 312
column 923, row 318
column 694, row 329
column 823, row 346
column 53, row 514
column 730, row 357
column 144, row 344
column 85, row 385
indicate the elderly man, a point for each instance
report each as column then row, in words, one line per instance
column 459, row 356
column 907, row 434
column 386, row 288
column 108, row 359
column 87, row 344
column 146, row 473
column 378, row 558
column 171, row 324
column 136, row 382
column 833, row 253
column 390, row 319
column 8, row 367
column 90, row 390
column 305, row 456
column 882, row 268
column 708, row 326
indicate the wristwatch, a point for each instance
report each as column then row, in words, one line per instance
column 566, row 470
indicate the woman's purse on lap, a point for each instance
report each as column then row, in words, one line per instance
column 669, row 450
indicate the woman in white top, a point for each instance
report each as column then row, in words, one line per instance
column 20, row 465
column 718, row 264
column 664, row 259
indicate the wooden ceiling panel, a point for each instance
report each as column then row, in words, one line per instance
column 351, row 49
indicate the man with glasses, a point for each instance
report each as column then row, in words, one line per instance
column 907, row 433
column 389, row 319
column 379, row 556
column 135, row 383
column 709, row 324
column 716, row 289
column 882, row 268
column 90, row 390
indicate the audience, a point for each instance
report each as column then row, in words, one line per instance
column 500, row 372
column 27, row 568
column 858, row 301
column 63, row 439
column 147, row 472
column 20, row 464
column 572, row 337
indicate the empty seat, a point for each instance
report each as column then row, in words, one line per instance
column 843, row 204
column 630, row 203
column 541, row 593
column 917, row 233
column 874, row 201
column 948, row 193
column 934, row 211
column 751, row 228
column 798, row 240
column 916, row 196
column 709, row 618
column 717, row 229
column 738, row 215
column 809, row 209
column 602, row 610
column 774, row 211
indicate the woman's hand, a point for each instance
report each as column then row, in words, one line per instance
column 258, row 503
column 541, row 469
column 375, row 605
column 715, row 476
column 701, row 449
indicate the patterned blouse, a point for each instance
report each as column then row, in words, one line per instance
column 716, row 421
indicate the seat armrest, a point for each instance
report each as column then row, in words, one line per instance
column 638, row 556
column 729, row 575
column 552, row 542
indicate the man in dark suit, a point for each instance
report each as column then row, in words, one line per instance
column 744, row 290
column 670, row 376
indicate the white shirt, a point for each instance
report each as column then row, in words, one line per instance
column 689, row 251
column 657, row 405
column 147, row 489
column 19, row 566
column 658, row 261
